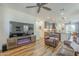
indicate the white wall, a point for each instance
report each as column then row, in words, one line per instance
column 7, row 15
column 1, row 26
column 14, row 15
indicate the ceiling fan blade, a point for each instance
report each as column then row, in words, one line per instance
column 38, row 4
column 30, row 6
column 38, row 10
column 43, row 3
column 47, row 8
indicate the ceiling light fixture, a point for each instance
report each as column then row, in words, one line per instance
column 62, row 12
column 48, row 17
column 63, row 18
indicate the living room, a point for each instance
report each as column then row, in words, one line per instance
column 48, row 27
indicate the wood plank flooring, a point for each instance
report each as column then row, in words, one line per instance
column 34, row 49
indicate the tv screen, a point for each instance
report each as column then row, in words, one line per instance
column 20, row 29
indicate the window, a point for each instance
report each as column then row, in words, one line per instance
column 25, row 28
column 70, row 28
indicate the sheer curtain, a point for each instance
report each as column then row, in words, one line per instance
column 69, row 29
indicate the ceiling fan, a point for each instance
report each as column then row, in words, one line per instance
column 40, row 5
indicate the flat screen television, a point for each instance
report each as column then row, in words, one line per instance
column 21, row 29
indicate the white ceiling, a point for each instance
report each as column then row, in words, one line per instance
column 70, row 9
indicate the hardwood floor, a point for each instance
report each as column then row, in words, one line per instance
column 34, row 49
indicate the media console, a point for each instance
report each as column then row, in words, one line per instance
column 20, row 41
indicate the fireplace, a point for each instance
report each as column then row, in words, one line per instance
column 23, row 41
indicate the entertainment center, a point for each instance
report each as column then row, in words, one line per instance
column 20, row 34
column 20, row 41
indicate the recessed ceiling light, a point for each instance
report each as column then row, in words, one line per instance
column 62, row 13
column 48, row 17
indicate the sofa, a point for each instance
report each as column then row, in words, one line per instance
column 52, row 39
column 68, row 44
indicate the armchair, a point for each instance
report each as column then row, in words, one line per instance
column 52, row 39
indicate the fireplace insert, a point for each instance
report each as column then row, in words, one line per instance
column 23, row 41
